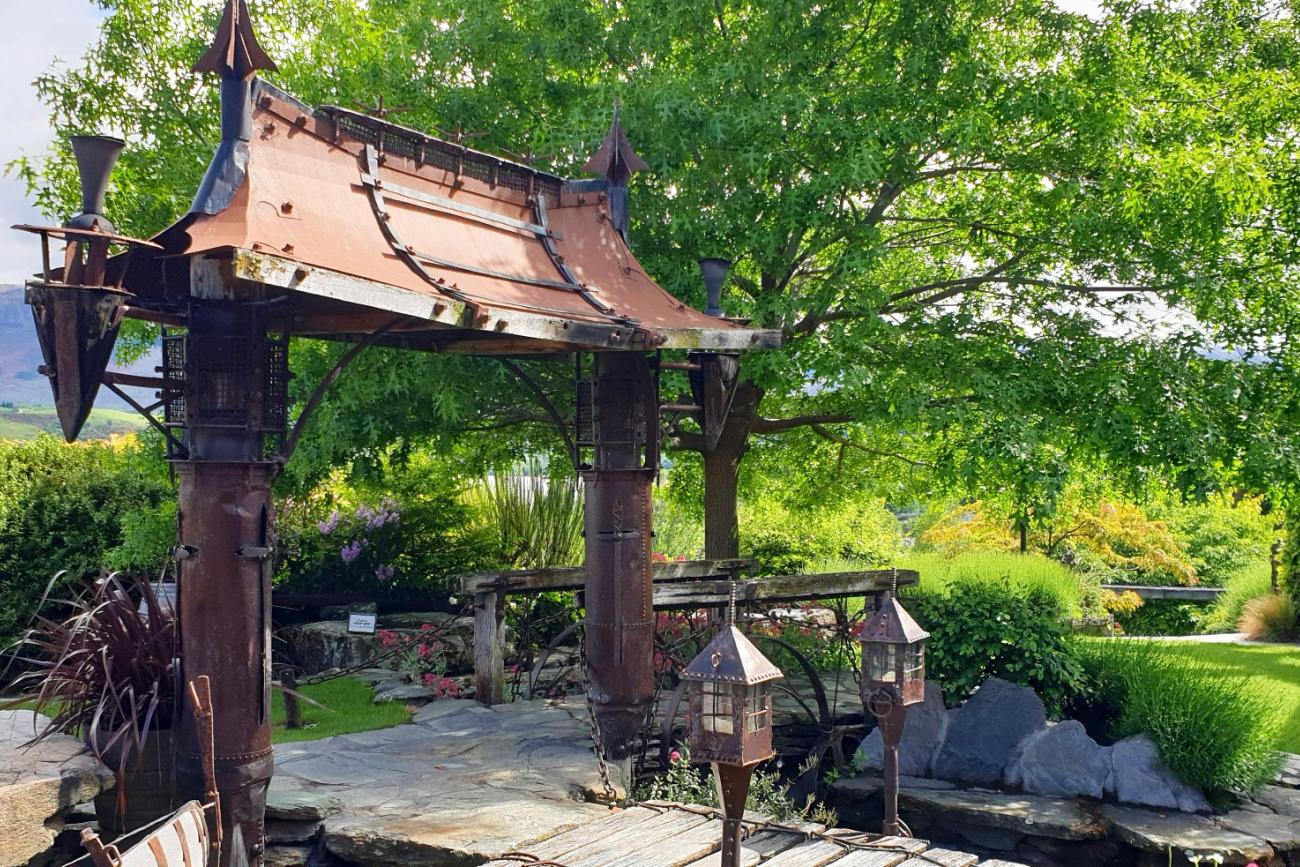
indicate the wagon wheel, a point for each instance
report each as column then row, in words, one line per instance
column 821, row 717
column 535, row 674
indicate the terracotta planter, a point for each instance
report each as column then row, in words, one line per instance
column 146, row 790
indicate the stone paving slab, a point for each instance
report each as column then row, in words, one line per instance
column 38, row 783
column 460, row 784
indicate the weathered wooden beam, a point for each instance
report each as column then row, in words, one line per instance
column 711, row 593
column 574, row 577
column 489, row 647
column 1185, row 594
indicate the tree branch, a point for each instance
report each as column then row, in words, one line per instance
column 554, row 414
column 778, row 425
column 825, row 433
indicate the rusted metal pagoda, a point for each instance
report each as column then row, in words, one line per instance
column 337, row 225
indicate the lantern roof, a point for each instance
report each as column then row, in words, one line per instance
column 732, row 658
column 891, row 624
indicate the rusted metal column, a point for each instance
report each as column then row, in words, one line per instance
column 225, row 534
column 619, row 593
column 733, row 784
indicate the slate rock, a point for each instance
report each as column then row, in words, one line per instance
column 1059, row 818
column 1060, row 760
column 287, row 856
column 1160, row 832
column 1280, row 799
column 984, row 732
column 1138, row 776
column 1281, row 832
column 405, row 692
column 289, row 801
column 284, row 831
column 927, row 724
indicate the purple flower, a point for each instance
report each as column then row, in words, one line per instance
column 364, row 512
column 351, row 551
column 385, row 573
column 330, row 524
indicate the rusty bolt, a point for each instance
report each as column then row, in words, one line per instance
column 501, row 325
column 379, row 183
column 268, row 127
column 286, row 208
column 438, row 309
column 301, row 273
column 288, row 248
column 300, row 120
column 264, row 102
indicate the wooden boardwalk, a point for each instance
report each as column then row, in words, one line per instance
column 671, row 835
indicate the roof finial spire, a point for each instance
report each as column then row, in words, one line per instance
column 234, row 52
column 615, row 161
column 731, row 605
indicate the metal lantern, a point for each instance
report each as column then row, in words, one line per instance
column 893, row 677
column 730, row 691
column 893, row 653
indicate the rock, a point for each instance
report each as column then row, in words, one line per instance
column 927, row 724
column 39, row 783
column 1290, row 773
column 1280, row 799
column 283, row 831
column 1280, row 832
column 290, row 801
column 1060, row 760
column 287, row 856
column 1026, row 814
column 405, row 692
column 1138, row 776
column 327, row 644
column 373, row 676
column 985, row 731
column 1160, row 832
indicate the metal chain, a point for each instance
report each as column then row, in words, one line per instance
column 611, row 794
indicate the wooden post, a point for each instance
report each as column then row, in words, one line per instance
column 489, row 647
column 292, row 710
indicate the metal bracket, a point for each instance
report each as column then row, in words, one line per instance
column 254, row 552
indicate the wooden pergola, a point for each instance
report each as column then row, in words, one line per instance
column 331, row 224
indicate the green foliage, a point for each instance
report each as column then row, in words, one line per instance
column 1072, row 594
column 980, row 629
column 678, row 529
column 1250, row 582
column 534, row 521
column 1213, row 729
column 683, row 783
column 148, row 535
column 1163, row 617
column 785, row 540
column 410, row 533
column 62, row 509
column 1221, row 537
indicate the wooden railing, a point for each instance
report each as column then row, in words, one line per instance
column 689, row 584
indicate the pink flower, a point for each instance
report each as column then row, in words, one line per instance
column 674, row 757
column 423, row 650
column 427, row 679
column 425, row 627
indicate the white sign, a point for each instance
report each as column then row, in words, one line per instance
column 361, row 623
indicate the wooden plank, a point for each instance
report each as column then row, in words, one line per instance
column 946, row 857
column 1186, row 594
column 996, row 863
column 489, row 648
column 781, row 588
column 575, row 838
column 814, row 853
column 871, row 858
column 907, row 844
column 575, row 577
column 760, row 845
column 599, row 850
column 673, row 850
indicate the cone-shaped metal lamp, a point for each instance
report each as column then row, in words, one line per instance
column 715, row 274
column 96, row 155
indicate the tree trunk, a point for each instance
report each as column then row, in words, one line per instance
column 722, row 475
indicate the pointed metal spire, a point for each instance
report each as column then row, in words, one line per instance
column 234, row 52
column 614, row 159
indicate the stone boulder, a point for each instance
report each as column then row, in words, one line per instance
column 1138, row 776
column 1060, row 760
column 327, row 644
column 927, row 724
column 1160, row 832
column 39, row 783
column 983, row 734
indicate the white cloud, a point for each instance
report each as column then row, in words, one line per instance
column 33, row 36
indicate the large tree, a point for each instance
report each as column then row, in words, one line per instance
column 962, row 214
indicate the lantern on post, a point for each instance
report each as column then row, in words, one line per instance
column 893, row 678
column 730, row 695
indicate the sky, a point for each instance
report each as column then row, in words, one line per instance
column 32, row 36
column 30, row 43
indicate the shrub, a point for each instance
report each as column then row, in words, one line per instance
column 683, row 783
column 1212, row 729
column 1249, row 583
column 980, row 630
column 788, row 541
column 1073, row 594
column 62, row 507
column 678, row 532
column 1221, row 537
column 1270, row 618
column 1120, row 543
column 1163, row 617
column 533, row 520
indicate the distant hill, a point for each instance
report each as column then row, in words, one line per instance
column 21, row 386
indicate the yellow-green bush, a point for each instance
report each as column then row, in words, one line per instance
column 786, row 540
column 1073, row 594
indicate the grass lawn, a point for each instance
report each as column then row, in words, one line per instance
column 348, row 708
column 1273, row 669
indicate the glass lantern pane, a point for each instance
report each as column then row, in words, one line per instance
column 718, row 715
column 914, row 667
column 881, row 663
column 756, row 714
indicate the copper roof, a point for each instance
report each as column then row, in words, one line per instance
column 357, row 219
column 731, row 658
column 892, row 624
